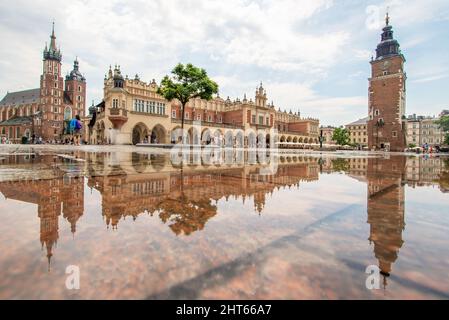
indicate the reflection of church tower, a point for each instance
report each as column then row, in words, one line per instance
column 73, row 200
column 259, row 201
column 49, row 215
column 386, row 210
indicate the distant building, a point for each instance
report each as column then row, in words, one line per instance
column 422, row 130
column 387, row 95
column 328, row 133
column 42, row 112
column 358, row 132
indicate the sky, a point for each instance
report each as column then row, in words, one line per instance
column 312, row 56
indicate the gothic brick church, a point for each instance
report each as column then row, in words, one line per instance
column 44, row 111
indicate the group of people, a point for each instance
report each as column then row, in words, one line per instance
column 73, row 135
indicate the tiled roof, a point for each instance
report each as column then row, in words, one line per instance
column 21, row 97
column 359, row 122
column 17, row 121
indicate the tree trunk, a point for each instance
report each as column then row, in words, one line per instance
column 182, row 120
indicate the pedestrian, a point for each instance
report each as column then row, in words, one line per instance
column 75, row 127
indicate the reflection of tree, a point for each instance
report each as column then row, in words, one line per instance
column 444, row 177
column 187, row 215
column 341, row 165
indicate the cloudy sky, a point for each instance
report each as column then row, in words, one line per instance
column 312, row 56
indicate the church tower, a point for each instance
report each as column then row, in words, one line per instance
column 75, row 89
column 387, row 95
column 52, row 91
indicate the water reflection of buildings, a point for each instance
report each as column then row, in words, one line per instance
column 385, row 178
column 172, row 195
column 60, row 194
column 187, row 201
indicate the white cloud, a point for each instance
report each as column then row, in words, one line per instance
column 239, row 42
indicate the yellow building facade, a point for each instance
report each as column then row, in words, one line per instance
column 133, row 113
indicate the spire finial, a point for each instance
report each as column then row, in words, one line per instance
column 387, row 17
column 53, row 28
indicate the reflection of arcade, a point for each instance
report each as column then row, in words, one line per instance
column 51, row 196
column 386, row 209
column 188, row 205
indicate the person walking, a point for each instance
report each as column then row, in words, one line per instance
column 75, row 127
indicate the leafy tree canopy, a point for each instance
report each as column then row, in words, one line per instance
column 187, row 82
column 341, row 136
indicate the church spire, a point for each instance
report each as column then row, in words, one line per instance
column 53, row 38
column 52, row 52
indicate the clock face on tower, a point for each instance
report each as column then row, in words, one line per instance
column 386, row 65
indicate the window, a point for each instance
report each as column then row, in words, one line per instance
column 376, row 112
column 173, row 114
column 79, row 88
column 220, row 119
column 267, row 121
column 198, row 117
column 79, row 98
column 253, row 119
column 395, row 134
column 115, row 103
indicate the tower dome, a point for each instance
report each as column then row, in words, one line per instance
column 75, row 74
column 388, row 46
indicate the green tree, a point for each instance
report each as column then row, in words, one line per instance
column 186, row 83
column 444, row 125
column 341, row 136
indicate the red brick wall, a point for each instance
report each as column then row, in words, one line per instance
column 385, row 96
column 234, row 117
column 298, row 127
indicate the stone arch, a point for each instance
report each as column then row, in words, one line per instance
column 218, row 137
column 261, row 140
column 140, row 133
column 289, row 139
column 252, row 140
column 206, row 136
column 193, row 136
column 283, row 139
column 240, row 139
column 300, row 140
column 67, row 113
column 158, row 135
column 229, row 139
column 176, row 135
column 295, row 139
column 306, row 140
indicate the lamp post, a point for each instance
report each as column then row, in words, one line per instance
column 321, row 139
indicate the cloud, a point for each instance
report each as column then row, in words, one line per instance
column 292, row 45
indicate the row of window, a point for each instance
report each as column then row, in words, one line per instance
column 262, row 119
column 199, row 117
column 152, row 107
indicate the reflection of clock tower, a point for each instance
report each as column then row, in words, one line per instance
column 387, row 95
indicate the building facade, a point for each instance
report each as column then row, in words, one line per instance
column 424, row 130
column 358, row 132
column 328, row 133
column 43, row 112
column 387, row 95
column 132, row 112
